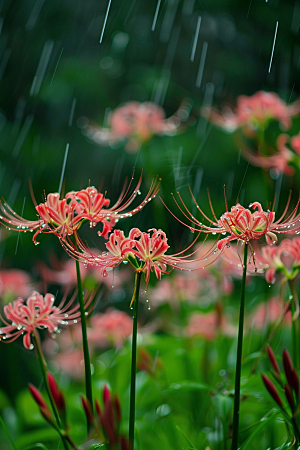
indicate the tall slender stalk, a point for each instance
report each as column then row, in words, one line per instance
column 44, row 373
column 237, row 387
column 135, row 303
column 86, row 354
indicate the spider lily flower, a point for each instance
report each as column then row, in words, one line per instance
column 284, row 258
column 64, row 217
column 243, row 224
column 255, row 112
column 37, row 313
column 146, row 252
column 134, row 123
column 279, row 160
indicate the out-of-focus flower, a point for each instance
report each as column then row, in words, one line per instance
column 64, row 274
column 144, row 251
column 255, row 112
column 64, row 217
column 283, row 258
column 109, row 328
column 244, row 225
column 207, row 325
column 14, row 283
column 279, row 161
column 269, row 312
column 295, row 143
column 134, row 123
column 37, row 313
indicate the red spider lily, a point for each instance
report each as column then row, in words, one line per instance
column 278, row 161
column 144, row 251
column 134, row 122
column 39, row 312
column 64, row 217
column 244, row 225
column 284, row 258
column 255, row 111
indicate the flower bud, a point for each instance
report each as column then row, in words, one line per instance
column 288, row 367
column 37, row 396
column 106, row 394
column 88, row 410
column 272, row 359
column 272, row 390
column 117, row 408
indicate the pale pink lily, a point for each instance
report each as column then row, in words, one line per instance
column 64, row 217
column 245, row 225
column 255, row 111
column 133, row 122
column 37, row 313
column 278, row 161
column 283, row 258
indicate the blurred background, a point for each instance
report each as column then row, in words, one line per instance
column 66, row 64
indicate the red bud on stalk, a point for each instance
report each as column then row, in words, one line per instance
column 106, row 394
column 118, row 408
column 288, row 367
column 272, row 390
column 272, row 359
column 88, row 410
column 37, row 396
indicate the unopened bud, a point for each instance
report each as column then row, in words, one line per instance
column 272, row 390
column 288, row 367
column 118, row 408
column 106, row 394
column 58, row 396
column 37, row 396
column 87, row 409
column 272, row 359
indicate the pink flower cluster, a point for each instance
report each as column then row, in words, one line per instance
column 107, row 329
column 144, row 251
column 283, row 258
column 133, row 122
column 244, row 225
column 64, row 217
column 37, row 313
column 255, row 111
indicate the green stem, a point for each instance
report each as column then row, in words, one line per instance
column 44, row 368
column 86, row 354
column 295, row 326
column 237, row 388
column 135, row 301
column 7, row 433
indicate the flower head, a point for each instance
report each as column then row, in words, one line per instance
column 146, row 252
column 279, row 161
column 246, row 224
column 283, row 258
column 37, row 313
column 134, row 122
column 255, row 112
column 64, row 217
